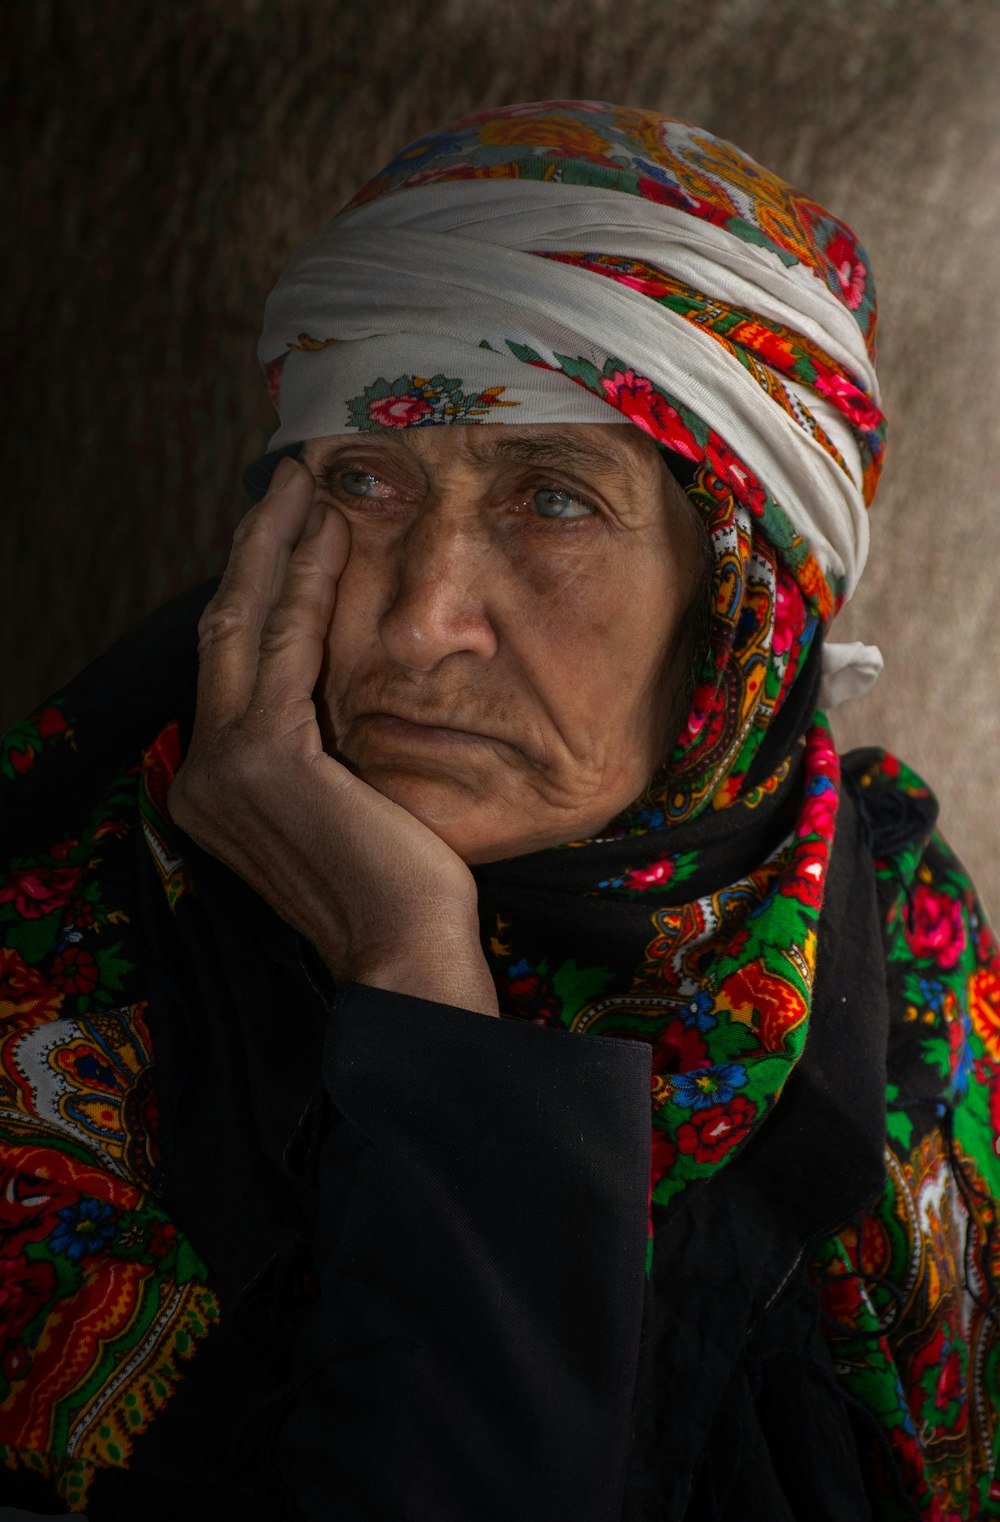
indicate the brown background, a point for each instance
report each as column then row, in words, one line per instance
column 164, row 160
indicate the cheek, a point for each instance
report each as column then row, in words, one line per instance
column 350, row 638
column 361, row 593
column 600, row 632
column 630, row 678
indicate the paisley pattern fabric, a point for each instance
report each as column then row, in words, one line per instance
column 102, row 1300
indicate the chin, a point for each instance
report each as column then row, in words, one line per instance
column 465, row 819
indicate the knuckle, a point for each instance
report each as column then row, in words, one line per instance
column 221, row 621
column 248, row 525
column 282, row 630
column 255, row 525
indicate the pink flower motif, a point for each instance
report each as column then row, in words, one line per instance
column 785, row 612
column 848, row 399
column 934, row 927
column 818, row 816
column 655, row 876
column 852, row 276
column 636, row 397
column 399, row 411
column 36, row 891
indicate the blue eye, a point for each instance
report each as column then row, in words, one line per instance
column 359, row 483
column 551, row 503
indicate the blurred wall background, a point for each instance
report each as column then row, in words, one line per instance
column 163, row 161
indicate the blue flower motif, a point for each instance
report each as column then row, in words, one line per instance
column 709, row 1086
column 83, row 1228
column 520, row 969
column 698, row 1012
column 817, row 785
column 961, row 1058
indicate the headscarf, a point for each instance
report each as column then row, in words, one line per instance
column 572, row 261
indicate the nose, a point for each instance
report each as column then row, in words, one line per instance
column 438, row 605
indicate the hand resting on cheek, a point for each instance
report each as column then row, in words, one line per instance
column 382, row 898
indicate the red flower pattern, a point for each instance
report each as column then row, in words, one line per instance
column 731, row 469
column 711, row 1133
column 679, row 1049
column 162, row 1239
column 37, row 891
column 637, row 398
column 398, row 411
column 934, row 927
column 810, row 874
column 50, row 722
column 852, row 277
column 74, row 971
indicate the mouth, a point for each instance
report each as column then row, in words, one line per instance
column 422, row 734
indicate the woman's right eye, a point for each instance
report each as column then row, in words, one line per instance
column 359, row 483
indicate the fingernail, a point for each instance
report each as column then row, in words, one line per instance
column 284, row 470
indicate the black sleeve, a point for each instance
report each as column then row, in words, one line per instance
column 472, row 1352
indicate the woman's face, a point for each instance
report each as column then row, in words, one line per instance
column 507, row 651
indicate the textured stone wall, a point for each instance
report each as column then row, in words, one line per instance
column 163, row 161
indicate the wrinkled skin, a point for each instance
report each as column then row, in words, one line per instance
column 433, row 648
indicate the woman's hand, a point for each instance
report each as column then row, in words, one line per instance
column 382, row 898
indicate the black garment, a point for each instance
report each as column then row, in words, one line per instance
column 427, row 1229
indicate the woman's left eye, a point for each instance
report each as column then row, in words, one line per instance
column 549, row 502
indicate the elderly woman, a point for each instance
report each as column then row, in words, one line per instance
column 517, row 718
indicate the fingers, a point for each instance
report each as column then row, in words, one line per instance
column 293, row 635
column 230, row 627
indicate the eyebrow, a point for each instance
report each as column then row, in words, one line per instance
column 555, row 452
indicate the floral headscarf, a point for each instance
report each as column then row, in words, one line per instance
column 573, row 261
column 679, row 286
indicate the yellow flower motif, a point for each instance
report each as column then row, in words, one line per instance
column 556, row 132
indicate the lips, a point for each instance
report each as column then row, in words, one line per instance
column 423, row 730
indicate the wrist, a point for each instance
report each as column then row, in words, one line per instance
column 463, row 981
